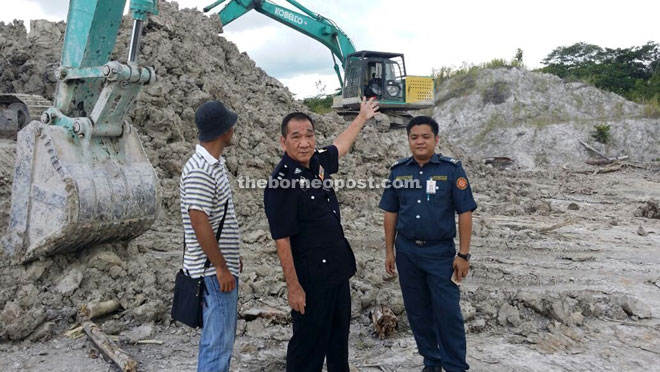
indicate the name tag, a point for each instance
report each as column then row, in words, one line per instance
column 409, row 177
column 430, row 187
column 439, row 178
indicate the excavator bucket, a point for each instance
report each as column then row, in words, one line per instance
column 69, row 192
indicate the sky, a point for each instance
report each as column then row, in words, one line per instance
column 431, row 33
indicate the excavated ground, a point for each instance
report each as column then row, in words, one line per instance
column 565, row 276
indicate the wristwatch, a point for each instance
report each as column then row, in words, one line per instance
column 466, row 257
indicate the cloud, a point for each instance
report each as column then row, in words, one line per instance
column 283, row 53
column 27, row 10
column 430, row 33
column 304, row 85
column 53, row 8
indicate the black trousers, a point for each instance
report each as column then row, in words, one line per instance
column 322, row 331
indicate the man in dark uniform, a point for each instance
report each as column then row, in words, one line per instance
column 317, row 261
column 428, row 189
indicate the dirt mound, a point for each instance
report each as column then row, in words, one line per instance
column 537, row 118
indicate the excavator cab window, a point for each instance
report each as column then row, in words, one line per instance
column 393, row 80
column 374, row 80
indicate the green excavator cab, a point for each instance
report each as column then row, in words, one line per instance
column 375, row 74
column 382, row 75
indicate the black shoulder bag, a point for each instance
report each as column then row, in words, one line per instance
column 189, row 292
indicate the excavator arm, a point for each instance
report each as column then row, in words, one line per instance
column 309, row 23
column 81, row 174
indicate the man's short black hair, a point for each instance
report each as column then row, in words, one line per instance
column 301, row 116
column 423, row 120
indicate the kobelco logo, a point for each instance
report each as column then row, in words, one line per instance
column 288, row 15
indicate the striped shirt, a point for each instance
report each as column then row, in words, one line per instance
column 204, row 186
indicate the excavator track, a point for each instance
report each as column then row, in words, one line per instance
column 385, row 121
column 18, row 110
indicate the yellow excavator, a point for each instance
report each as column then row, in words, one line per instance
column 81, row 175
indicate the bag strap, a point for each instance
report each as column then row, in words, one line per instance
column 207, row 264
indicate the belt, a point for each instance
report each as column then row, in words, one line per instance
column 423, row 243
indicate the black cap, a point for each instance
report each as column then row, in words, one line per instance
column 213, row 119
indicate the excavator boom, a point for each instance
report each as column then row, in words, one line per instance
column 311, row 24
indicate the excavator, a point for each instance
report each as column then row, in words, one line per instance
column 81, row 175
column 366, row 73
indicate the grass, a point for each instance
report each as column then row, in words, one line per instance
column 579, row 102
column 445, row 73
column 494, row 121
column 652, row 108
column 460, row 85
column 463, row 80
column 320, row 105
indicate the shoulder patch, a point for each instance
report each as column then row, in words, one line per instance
column 450, row 160
column 280, row 171
column 399, row 162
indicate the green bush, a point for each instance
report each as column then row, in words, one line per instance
column 602, row 134
column 319, row 105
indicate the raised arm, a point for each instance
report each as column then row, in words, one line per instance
column 345, row 140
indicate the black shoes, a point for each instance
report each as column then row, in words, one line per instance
column 432, row 369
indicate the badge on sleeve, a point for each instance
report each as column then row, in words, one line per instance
column 461, row 183
column 321, row 172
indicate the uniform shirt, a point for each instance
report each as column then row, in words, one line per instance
column 422, row 215
column 310, row 217
column 204, row 186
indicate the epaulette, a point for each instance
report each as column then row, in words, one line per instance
column 450, row 160
column 400, row 161
column 280, row 171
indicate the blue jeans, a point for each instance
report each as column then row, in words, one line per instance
column 219, row 331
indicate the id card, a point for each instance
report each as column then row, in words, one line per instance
column 430, row 187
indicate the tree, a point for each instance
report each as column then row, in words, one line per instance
column 320, row 88
column 519, row 56
column 629, row 72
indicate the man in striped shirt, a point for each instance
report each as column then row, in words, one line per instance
column 206, row 200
